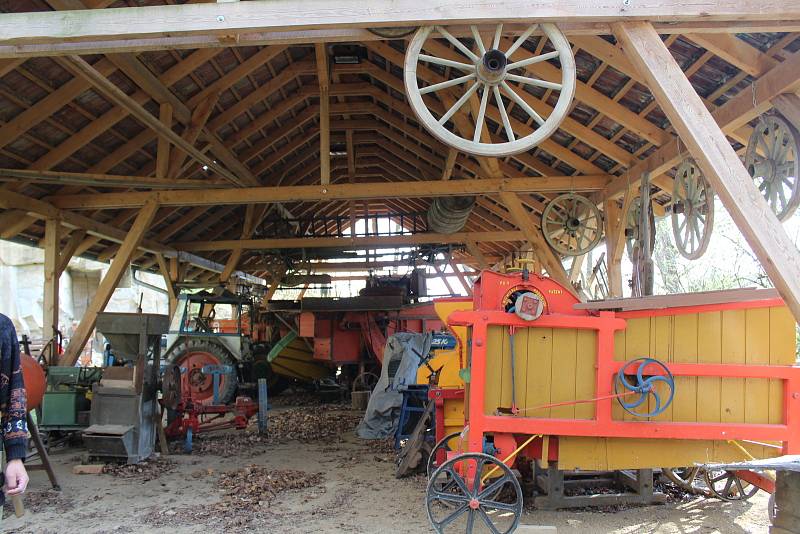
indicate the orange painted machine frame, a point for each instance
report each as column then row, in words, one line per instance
column 507, row 430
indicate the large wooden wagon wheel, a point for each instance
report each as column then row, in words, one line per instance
column 773, row 160
column 572, row 224
column 692, row 210
column 484, row 70
column 727, row 485
column 687, row 479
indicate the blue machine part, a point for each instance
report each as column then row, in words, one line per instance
column 263, row 406
column 187, row 444
column 644, row 387
column 489, row 448
column 216, row 371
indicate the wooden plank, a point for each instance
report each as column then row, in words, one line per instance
column 362, row 191
column 709, row 350
column 113, row 93
column 733, row 350
column 162, row 150
column 788, row 104
column 735, row 51
column 586, row 373
column 75, row 239
column 738, row 111
column 50, row 306
column 355, row 242
column 449, row 164
column 782, row 350
column 563, row 370
column 169, row 281
column 716, row 158
column 200, row 116
column 680, row 300
column 109, row 283
column 756, row 352
column 475, row 251
column 242, row 17
column 323, row 76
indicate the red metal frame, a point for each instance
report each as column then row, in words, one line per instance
column 207, row 417
column 605, row 323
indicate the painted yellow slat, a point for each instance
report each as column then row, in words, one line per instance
column 494, row 368
column 661, row 343
column 733, row 345
column 684, row 407
column 585, row 372
column 756, row 407
column 540, row 356
column 782, row 351
column 637, row 345
column 521, row 367
column 709, row 349
column 565, row 345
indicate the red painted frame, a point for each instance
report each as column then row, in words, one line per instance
column 605, row 323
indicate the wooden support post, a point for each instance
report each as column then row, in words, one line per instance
column 169, row 281
column 50, row 308
column 351, row 176
column 230, row 265
column 449, row 164
column 69, row 249
column 162, row 151
column 302, row 293
column 575, row 268
column 614, row 220
column 109, row 283
column 715, row 156
column 789, row 106
column 524, row 221
column 475, row 252
column 324, row 114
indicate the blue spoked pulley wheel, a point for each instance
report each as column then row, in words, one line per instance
column 642, row 387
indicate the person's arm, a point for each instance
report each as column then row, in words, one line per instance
column 14, row 408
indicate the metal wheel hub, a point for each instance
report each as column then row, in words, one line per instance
column 197, row 379
column 492, row 67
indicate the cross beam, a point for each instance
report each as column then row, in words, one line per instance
column 360, row 191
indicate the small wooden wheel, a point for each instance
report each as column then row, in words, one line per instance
column 692, row 210
column 366, row 381
column 726, row 485
column 686, row 478
column 443, row 445
column 458, row 498
column 773, row 160
column 572, row 224
column 487, row 72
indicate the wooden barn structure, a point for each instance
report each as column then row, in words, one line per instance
column 182, row 136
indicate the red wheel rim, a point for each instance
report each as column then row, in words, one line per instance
column 200, row 385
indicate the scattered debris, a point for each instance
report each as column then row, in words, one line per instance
column 42, row 500
column 246, row 495
column 145, row 470
column 320, row 423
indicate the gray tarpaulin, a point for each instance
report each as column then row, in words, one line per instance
column 383, row 410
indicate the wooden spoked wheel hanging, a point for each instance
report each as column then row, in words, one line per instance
column 773, row 160
column 632, row 228
column 481, row 68
column 692, row 210
column 572, row 224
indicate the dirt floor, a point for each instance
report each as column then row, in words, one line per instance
column 311, row 475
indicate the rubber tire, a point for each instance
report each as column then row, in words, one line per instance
column 228, row 389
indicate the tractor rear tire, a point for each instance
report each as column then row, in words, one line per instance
column 193, row 356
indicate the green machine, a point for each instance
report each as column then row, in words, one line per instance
column 67, row 398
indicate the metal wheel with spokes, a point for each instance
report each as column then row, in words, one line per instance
column 726, row 485
column 482, row 69
column 773, row 160
column 572, row 224
column 443, row 445
column 692, row 210
column 462, row 496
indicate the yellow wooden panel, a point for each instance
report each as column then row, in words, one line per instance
column 505, row 374
column 494, row 368
column 540, row 357
column 733, row 345
column 620, row 453
column 684, row 339
column 709, row 350
column 782, row 351
column 521, row 367
column 565, row 346
column 586, row 372
column 756, row 407
column 661, row 343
